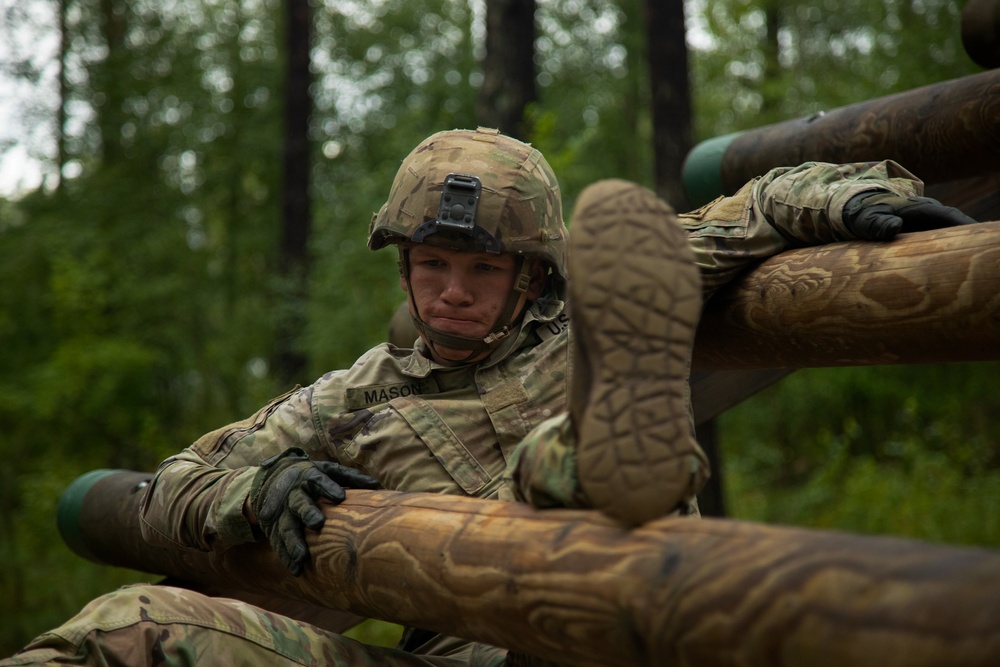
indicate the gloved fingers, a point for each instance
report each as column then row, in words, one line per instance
column 885, row 226
column 283, row 499
column 272, row 499
column 877, row 223
column 302, row 507
column 925, row 214
column 347, row 477
column 289, row 544
column 319, row 485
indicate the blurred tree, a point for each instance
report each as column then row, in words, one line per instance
column 296, row 222
column 670, row 97
column 61, row 117
column 508, row 67
column 134, row 327
column 762, row 61
column 110, row 88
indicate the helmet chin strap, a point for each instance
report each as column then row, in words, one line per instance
column 502, row 327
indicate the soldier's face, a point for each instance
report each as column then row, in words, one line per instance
column 461, row 292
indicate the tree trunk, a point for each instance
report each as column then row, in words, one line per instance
column 670, row 101
column 671, row 97
column 509, row 67
column 111, row 77
column 296, row 209
column 61, row 107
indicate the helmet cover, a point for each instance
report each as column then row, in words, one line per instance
column 517, row 207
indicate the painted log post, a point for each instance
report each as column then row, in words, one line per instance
column 575, row 587
column 922, row 298
column 940, row 132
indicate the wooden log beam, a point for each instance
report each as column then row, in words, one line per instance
column 941, row 132
column 574, row 587
column 922, row 298
column 715, row 391
column 100, row 511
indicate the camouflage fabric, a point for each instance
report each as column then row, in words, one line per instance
column 413, row 424
column 161, row 625
column 785, row 208
column 420, row 426
column 520, row 205
column 543, row 471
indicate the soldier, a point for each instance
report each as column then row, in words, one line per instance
column 479, row 406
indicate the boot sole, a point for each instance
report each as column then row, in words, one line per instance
column 635, row 299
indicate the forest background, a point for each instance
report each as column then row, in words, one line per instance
column 194, row 242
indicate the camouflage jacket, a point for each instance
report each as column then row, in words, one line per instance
column 419, row 426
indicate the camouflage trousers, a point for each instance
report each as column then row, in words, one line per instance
column 543, row 469
column 165, row 626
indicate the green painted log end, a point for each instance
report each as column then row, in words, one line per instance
column 702, row 170
column 70, row 509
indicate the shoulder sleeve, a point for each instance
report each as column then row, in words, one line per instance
column 785, row 208
column 196, row 498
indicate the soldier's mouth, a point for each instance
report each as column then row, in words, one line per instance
column 458, row 326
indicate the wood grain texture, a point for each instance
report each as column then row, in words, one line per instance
column 927, row 297
column 575, row 587
column 941, row 132
column 108, row 524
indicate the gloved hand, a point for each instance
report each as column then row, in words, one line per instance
column 283, row 498
column 880, row 215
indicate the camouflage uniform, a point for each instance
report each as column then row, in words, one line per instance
column 420, row 426
column 786, row 208
column 161, row 625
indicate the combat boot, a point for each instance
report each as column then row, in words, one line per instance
column 635, row 299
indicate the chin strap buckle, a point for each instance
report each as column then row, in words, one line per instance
column 497, row 336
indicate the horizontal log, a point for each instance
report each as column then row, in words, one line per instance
column 941, row 132
column 715, row 391
column 574, row 587
column 927, row 297
column 100, row 511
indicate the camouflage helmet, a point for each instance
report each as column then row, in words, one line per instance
column 506, row 198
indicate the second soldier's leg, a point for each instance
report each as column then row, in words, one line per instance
column 161, row 625
column 635, row 300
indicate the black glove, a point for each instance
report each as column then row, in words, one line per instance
column 283, row 497
column 880, row 215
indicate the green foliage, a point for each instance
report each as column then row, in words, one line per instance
column 142, row 296
column 757, row 62
column 911, row 451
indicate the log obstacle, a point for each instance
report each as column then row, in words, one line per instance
column 945, row 133
column 730, row 325
column 574, row 587
column 922, row 298
column 941, row 132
